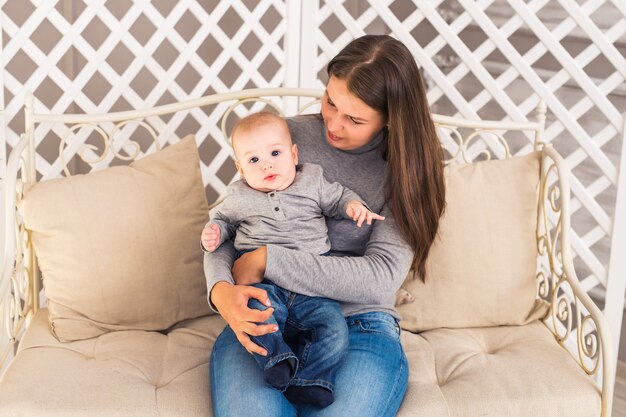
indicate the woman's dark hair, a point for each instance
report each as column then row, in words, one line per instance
column 381, row 72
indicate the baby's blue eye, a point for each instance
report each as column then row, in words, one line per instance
column 275, row 153
column 254, row 160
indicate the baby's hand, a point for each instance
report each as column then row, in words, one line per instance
column 210, row 237
column 359, row 213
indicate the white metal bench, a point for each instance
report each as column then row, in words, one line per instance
column 573, row 321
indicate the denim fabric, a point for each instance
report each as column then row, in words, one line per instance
column 312, row 332
column 371, row 381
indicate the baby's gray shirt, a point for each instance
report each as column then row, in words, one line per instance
column 292, row 218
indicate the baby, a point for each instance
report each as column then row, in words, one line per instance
column 280, row 202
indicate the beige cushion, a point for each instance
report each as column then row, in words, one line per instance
column 127, row 373
column 118, row 248
column 481, row 268
column 501, row 372
column 507, row 371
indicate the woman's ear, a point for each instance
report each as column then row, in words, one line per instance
column 294, row 152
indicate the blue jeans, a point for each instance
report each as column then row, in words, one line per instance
column 312, row 334
column 371, row 381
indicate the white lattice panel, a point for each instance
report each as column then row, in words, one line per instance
column 98, row 56
column 482, row 58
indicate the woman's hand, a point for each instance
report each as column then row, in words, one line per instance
column 232, row 303
column 250, row 267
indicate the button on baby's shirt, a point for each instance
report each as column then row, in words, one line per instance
column 273, row 199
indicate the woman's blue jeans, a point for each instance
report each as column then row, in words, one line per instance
column 371, row 381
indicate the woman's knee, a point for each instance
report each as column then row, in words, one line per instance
column 237, row 386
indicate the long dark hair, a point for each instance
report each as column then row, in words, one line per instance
column 381, row 72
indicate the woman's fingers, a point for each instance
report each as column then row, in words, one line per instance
column 259, row 294
column 248, row 344
column 253, row 329
column 232, row 302
column 256, row 316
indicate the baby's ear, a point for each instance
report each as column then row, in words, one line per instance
column 238, row 166
column 294, row 152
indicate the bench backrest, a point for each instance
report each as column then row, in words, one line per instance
column 80, row 143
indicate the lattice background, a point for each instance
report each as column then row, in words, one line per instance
column 482, row 58
column 497, row 59
column 98, row 56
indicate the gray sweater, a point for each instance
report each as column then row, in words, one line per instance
column 292, row 218
column 370, row 262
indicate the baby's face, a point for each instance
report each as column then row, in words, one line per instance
column 266, row 158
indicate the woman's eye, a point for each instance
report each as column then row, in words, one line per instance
column 330, row 103
column 275, row 153
column 354, row 121
column 254, row 160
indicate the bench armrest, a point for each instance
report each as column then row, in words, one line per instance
column 17, row 292
column 574, row 319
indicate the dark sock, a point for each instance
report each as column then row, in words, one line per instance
column 278, row 375
column 313, row 395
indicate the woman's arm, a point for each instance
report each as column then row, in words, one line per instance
column 231, row 301
column 372, row 278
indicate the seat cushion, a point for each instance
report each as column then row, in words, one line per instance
column 118, row 248
column 481, row 268
column 502, row 371
column 507, row 371
column 122, row 373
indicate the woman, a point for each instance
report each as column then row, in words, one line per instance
column 375, row 136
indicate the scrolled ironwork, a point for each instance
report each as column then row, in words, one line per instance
column 463, row 143
column 588, row 344
column 107, row 141
column 307, row 106
column 456, row 137
column 543, row 285
column 571, row 321
column 16, row 300
column 240, row 102
column 135, row 145
column 485, row 152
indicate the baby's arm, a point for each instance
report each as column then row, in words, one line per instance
column 341, row 202
column 359, row 213
column 220, row 228
column 216, row 232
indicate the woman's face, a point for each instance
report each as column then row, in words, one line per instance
column 350, row 123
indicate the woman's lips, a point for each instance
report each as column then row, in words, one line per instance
column 332, row 137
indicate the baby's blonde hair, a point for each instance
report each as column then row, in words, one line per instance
column 256, row 119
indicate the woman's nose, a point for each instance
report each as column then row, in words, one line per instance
column 333, row 124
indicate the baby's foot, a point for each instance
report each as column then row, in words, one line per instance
column 313, row 395
column 278, row 375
